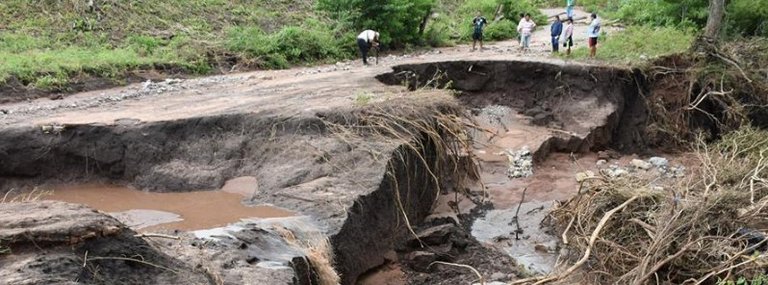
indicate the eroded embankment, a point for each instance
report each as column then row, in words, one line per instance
column 585, row 107
column 355, row 185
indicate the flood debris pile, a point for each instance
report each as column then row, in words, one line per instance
column 708, row 226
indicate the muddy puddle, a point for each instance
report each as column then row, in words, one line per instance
column 187, row 211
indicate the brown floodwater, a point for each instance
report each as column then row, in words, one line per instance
column 150, row 211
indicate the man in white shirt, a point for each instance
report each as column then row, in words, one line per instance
column 568, row 36
column 366, row 40
column 525, row 28
column 593, row 32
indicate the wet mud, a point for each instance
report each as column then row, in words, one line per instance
column 148, row 211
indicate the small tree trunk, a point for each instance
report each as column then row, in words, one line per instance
column 715, row 20
column 423, row 25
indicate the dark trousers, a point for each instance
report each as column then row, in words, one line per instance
column 555, row 44
column 364, row 47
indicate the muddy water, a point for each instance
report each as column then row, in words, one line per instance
column 149, row 211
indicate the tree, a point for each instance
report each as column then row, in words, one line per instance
column 398, row 21
column 715, row 20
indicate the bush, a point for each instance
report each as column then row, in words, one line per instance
column 505, row 28
column 309, row 43
column 438, row 33
column 398, row 21
column 747, row 18
column 501, row 30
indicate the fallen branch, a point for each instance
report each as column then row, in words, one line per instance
column 518, row 230
column 595, row 234
column 154, row 235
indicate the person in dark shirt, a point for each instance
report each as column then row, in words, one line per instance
column 556, row 30
column 477, row 35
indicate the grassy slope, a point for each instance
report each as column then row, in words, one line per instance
column 46, row 43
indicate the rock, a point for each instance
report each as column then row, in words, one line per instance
column 498, row 276
column 520, row 163
column 607, row 154
column 581, row 176
column 542, row 119
column 641, row 164
column 436, row 235
column 601, row 162
column 420, row 260
column 541, row 248
column 532, row 112
column 615, row 172
column 658, row 161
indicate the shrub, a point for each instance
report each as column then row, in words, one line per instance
column 398, row 21
column 438, row 33
column 747, row 18
column 501, row 30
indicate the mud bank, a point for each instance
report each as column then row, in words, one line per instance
column 586, row 108
column 355, row 189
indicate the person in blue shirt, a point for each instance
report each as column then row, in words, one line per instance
column 593, row 32
column 478, row 23
column 556, row 30
column 569, row 8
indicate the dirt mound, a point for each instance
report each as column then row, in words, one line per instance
column 59, row 243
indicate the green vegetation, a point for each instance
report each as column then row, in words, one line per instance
column 744, row 17
column 639, row 43
column 363, row 98
column 46, row 44
column 758, row 280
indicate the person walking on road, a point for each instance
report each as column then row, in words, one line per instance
column 525, row 29
column 593, row 32
column 569, row 8
column 555, row 31
column 477, row 35
column 365, row 41
column 568, row 43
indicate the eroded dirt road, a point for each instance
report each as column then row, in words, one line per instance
column 289, row 91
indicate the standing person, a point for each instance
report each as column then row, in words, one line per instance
column 568, row 36
column 556, row 30
column 478, row 23
column 525, row 28
column 366, row 40
column 593, row 31
column 569, row 8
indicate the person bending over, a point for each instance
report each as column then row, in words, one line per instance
column 365, row 41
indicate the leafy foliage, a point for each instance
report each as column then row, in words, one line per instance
column 398, row 21
column 506, row 27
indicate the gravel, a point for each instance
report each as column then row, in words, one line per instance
column 520, row 163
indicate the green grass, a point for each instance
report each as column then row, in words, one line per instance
column 638, row 44
column 47, row 44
